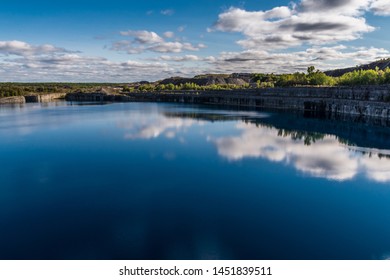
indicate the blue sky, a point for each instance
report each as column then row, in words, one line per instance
column 123, row 41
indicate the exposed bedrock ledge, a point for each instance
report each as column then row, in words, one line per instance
column 44, row 97
column 370, row 101
column 32, row 98
column 12, row 100
column 100, row 97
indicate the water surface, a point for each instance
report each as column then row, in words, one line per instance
column 168, row 181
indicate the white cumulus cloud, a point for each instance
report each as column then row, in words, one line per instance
column 381, row 7
column 323, row 58
column 21, row 61
column 23, row 49
column 316, row 22
column 143, row 36
column 150, row 41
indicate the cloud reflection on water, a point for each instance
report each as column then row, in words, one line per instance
column 313, row 154
column 153, row 128
column 375, row 168
column 324, row 158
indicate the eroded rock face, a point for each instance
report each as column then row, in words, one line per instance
column 368, row 101
column 12, row 100
column 32, row 98
column 44, row 97
column 210, row 79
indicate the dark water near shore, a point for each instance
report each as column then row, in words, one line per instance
column 168, row 181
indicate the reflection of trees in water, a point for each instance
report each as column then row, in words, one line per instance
column 346, row 142
column 370, row 153
column 383, row 156
column 203, row 116
column 307, row 137
column 350, row 133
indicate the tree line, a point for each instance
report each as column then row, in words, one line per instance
column 21, row 89
column 312, row 77
column 315, row 77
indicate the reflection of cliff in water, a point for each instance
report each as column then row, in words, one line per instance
column 363, row 133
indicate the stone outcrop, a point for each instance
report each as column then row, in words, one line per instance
column 97, row 97
column 371, row 101
column 238, row 79
column 12, row 100
column 44, row 97
column 32, row 98
column 364, row 101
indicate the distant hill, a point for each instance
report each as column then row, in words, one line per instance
column 381, row 64
column 211, row 79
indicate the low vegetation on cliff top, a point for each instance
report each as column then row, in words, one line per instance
column 313, row 77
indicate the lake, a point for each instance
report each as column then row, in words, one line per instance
column 173, row 181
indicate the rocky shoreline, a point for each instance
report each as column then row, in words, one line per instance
column 35, row 98
column 363, row 101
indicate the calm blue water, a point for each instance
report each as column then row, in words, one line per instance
column 168, row 181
